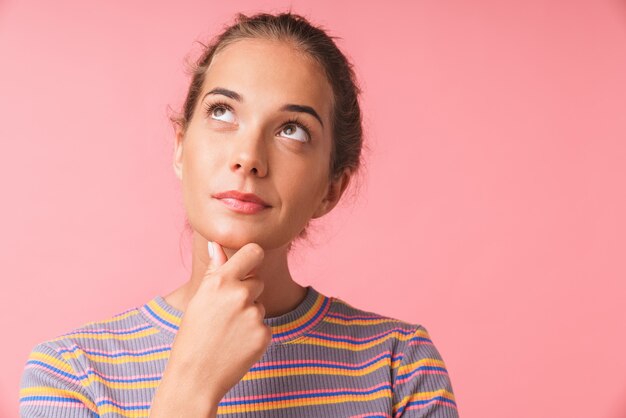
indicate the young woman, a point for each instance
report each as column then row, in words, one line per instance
column 269, row 138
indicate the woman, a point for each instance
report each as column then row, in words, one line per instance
column 269, row 138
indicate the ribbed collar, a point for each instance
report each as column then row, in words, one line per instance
column 289, row 326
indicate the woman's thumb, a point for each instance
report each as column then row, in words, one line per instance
column 217, row 257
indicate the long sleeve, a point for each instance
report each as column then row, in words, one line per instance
column 420, row 381
column 50, row 387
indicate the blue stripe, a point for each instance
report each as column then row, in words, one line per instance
column 49, row 398
column 366, row 318
column 436, row 398
column 94, row 353
column 317, row 314
column 403, row 376
column 54, row 369
column 345, row 340
column 121, row 379
column 310, row 395
column 158, row 318
column 86, row 331
column 321, row 365
column 53, row 398
column 126, row 408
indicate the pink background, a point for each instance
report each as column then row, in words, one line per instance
column 492, row 209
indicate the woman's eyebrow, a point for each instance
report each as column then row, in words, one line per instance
column 303, row 109
column 225, row 92
column 287, row 108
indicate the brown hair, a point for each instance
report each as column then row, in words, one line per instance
column 347, row 130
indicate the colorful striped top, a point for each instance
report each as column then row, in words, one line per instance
column 326, row 359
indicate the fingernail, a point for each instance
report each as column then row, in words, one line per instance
column 211, row 250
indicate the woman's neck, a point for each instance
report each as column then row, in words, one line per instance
column 280, row 295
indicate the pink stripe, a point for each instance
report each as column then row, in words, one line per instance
column 110, row 330
column 302, row 392
column 330, row 363
column 150, row 315
column 105, row 352
column 120, row 404
column 104, row 377
column 321, row 313
column 400, row 355
column 51, row 372
column 112, row 377
column 419, row 342
column 348, row 337
column 354, row 317
column 427, row 404
column 371, row 414
column 64, row 404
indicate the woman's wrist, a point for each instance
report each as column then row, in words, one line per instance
column 177, row 395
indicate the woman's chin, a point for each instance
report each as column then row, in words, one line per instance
column 236, row 237
column 234, row 233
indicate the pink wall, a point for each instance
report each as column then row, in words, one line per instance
column 492, row 209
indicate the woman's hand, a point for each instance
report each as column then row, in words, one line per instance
column 221, row 335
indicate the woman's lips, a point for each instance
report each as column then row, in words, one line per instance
column 242, row 206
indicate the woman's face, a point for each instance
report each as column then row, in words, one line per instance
column 261, row 125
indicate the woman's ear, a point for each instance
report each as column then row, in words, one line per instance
column 178, row 152
column 334, row 193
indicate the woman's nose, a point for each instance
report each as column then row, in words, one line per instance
column 249, row 155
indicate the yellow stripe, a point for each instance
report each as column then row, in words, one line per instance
column 407, row 368
column 116, row 318
column 121, row 385
column 342, row 345
column 133, row 413
column 421, row 332
column 423, row 396
column 364, row 322
column 322, row 400
column 117, row 360
column 110, row 336
column 164, row 314
column 305, row 318
column 264, row 374
column 52, row 361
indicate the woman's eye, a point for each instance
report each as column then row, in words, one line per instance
column 295, row 132
column 222, row 113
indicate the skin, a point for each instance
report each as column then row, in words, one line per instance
column 253, row 149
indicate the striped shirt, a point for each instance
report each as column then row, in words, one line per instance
column 326, row 359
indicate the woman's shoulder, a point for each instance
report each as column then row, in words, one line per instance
column 372, row 326
column 345, row 312
column 61, row 369
column 419, row 376
column 122, row 326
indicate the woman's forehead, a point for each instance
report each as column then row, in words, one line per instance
column 261, row 69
